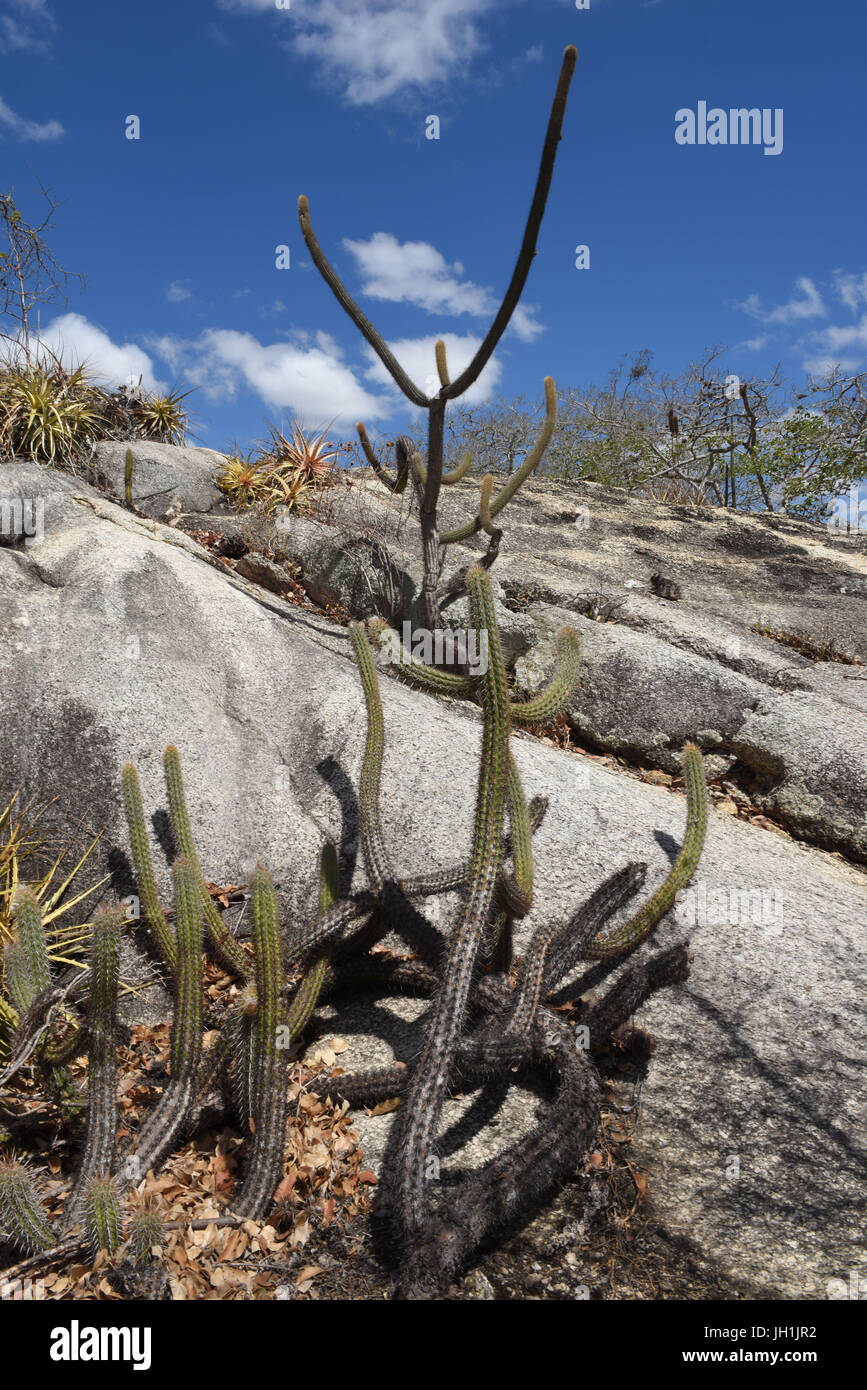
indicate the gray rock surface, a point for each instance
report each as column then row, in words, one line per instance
column 167, row 479
column 121, row 635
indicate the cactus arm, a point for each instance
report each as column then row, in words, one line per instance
column 417, row 673
column 396, row 484
column 520, row 476
column 430, row 1078
column 459, row 471
column 547, row 956
column 409, row 459
column 129, row 465
column 554, row 697
column 308, row 991
column 528, row 245
column 269, row 1111
column 442, row 362
column 365, row 327
column 21, row 1211
column 485, row 517
column 19, row 980
column 144, row 869
column 370, row 828
column 101, row 1134
column 31, row 934
column 145, row 1231
column 169, row 1117
column 104, row 1223
column 625, row 938
column 522, row 838
column 227, row 948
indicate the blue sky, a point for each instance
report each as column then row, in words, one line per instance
column 244, row 105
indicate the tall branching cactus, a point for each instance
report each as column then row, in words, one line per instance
column 427, row 475
column 481, row 1024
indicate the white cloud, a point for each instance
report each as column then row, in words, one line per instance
column 308, row 379
column 809, row 305
column 414, row 272
column 756, row 344
column 851, row 289
column 417, row 356
column 176, row 293
column 25, row 25
column 21, row 129
column 377, row 48
column 76, row 340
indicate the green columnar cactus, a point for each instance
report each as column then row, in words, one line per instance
column 168, row 1119
column 104, row 1222
column 22, row 1214
column 19, row 980
column 129, row 466
column 554, row 697
column 428, row 476
column 639, row 927
column 141, row 855
column 430, row 1079
column 101, row 1135
column 28, row 975
column 371, row 769
column 145, row 1233
column 31, row 934
column 224, row 943
column 307, row 994
column 491, row 507
column 242, row 1038
column 265, row 1164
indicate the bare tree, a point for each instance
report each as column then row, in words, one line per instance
column 30, row 274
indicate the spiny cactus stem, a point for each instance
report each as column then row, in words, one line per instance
column 395, row 485
column 417, row 673
column 365, row 327
column 129, row 465
column 373, row 846
column 554, row 697
column 21, row 1211
column 19, row 980
column 489, row 508
column 31, row 934
column 459, row 471
column 430, row 1078
column 442, row 362
column 103, row 1215
column 625, row 938
column 101, row 1134
column 144, row 870
column 265, row 1163
column 308, row 992
column 225, row 944
column 167, row 1120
